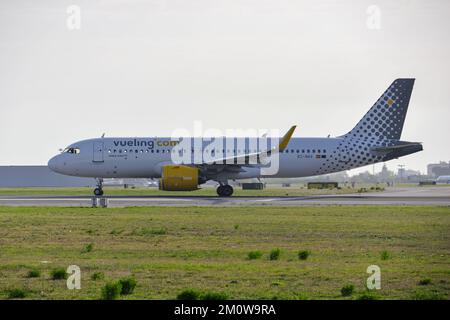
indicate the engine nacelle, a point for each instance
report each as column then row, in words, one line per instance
column 179, row 178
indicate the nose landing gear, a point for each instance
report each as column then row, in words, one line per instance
column 99, row 190
column 225, row 190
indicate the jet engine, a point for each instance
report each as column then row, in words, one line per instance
column 179, row 178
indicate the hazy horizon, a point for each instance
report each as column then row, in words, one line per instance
column 147, row 68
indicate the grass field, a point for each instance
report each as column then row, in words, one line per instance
column 208, row 192
column 171, row 249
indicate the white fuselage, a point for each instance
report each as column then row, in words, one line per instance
column 145, row 157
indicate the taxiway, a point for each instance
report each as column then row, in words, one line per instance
column 401, row 196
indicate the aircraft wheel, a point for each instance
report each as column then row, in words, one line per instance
column 228, row 190
column 225, row 190
column 220, row 191
column 98, row 192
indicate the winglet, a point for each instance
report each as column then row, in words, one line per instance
column 285, row 140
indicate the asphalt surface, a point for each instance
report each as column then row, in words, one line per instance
column 397, row 196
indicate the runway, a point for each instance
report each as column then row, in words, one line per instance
column 402, row 196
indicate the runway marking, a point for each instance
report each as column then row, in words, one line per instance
column 267, row 200
column 90, row 199
column 45, row 199
column 148, row 199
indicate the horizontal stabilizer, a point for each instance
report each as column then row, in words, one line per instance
column 389, row 149
column 396, row 151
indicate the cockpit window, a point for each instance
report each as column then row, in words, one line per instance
column 72, row 150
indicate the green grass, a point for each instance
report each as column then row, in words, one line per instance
column 275, row 254
column 17, row 293
column 368, row 296
column 194, row 294
column 214, row 296
column 202, row 249
column 189, row 294
column 111, row 291
column 429, row 295
column 304, row 254
column 207, row 192
column 34, row 273
column 347, row 290
column 97, row 276
column 128, row 284
column 253, row 255
column 425, row 282
column 88, row 248
column 385, row 255
column 58, row 274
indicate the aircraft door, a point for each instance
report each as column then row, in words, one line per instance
column 98, row 152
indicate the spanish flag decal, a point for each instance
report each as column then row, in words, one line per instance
column 390, row 102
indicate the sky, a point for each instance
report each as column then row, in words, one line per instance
column 71, row 70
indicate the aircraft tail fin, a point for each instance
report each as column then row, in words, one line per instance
column 385, row 119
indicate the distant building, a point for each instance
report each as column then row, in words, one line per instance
column 438, row 169
column 406, row 173
column 42, row 176
column 38, row 176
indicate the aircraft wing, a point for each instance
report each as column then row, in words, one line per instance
column 251, row 158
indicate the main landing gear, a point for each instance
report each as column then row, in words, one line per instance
column 99, row 190
column 224, row 190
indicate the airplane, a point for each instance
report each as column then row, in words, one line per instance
column 443, row 179
column 375, row 138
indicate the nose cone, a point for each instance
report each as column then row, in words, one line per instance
column 53, row 164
